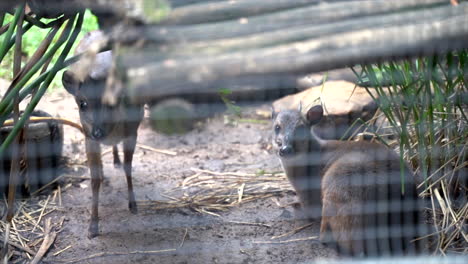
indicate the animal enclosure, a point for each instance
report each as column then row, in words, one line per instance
column 234, row 131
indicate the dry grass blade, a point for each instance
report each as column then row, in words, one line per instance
column 49, row 238
column 42, row 213
column 6, row 241
column 162, row 151
column 209, row 192
column 287, row 241
column 20, row 239
column 62, row 250
column 247, row 223
column 108, row 254
column 48, row 184
column 295, row 231
column 18, row 246
column 451, row 221
column 183, row 238
column 35, row 119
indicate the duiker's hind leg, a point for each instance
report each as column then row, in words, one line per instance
column 326, row 233
column 326, row 236
column 115, row 153
column 129, row 148
column 342, row 228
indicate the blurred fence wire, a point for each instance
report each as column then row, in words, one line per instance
column 411, row 55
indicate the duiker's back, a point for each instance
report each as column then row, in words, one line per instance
column 366, row 208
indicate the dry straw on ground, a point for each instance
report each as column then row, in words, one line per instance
column 32, row 231
column 451, row 221
column 210, row 192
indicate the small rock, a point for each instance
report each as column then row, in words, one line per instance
column 286, row 214
column 214, row 165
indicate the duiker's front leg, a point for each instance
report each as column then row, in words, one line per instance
column 129, row 148
column 93, row 153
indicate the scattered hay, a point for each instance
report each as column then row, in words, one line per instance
column 450, row 221
column 31, row 232
column 210, row 192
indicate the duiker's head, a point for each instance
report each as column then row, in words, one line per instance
column 97, row 119
column 291, row 131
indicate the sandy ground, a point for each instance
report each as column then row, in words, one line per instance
column 189, row 236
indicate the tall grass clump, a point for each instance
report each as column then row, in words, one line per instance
column 34, row 76
column 425, row 102
column 32, row 40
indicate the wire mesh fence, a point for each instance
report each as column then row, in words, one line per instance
column 237, row 140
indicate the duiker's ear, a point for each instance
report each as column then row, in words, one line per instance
column 273, row 112
column 69, row 82
column 315, row 114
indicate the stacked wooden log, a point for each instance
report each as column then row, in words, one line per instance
column 259, row 50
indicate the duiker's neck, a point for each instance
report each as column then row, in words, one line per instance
column 304, row 172
column 306, row 163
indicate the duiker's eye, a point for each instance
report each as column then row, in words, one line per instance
column 83, row 105
column 277, row 129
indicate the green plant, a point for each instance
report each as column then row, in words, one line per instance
column 231, row 107
column 58, row 65
column 33, row 39
column 425, row 103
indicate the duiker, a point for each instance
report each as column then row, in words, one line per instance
column 354, row 187
column 103, row 124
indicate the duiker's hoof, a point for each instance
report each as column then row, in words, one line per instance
column 296, row 205
column 93, row 230
column 133, row 207
column 117, row 164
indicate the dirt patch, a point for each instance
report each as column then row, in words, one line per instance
column 177, row 235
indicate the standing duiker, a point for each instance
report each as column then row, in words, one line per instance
column 354, row 187
column 103, row 124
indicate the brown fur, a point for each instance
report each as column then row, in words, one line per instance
column 355, row 187
column 103, row 124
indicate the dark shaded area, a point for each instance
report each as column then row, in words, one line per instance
column 40, row 156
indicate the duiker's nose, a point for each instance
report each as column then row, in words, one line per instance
column 285, row 151
column 97, row 133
